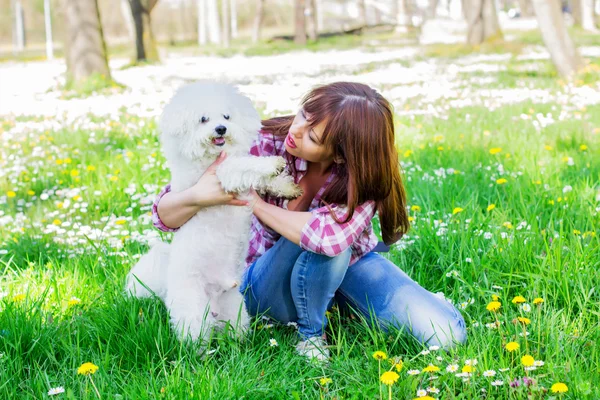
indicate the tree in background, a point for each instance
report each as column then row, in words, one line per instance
column 403, row 15
column 258, row 20
column 482, row 21
column 85, row 49
column 145, row 45
column 526, row 8
column 564, row 55
column 300, row 24
column 584, row 14
column 226, row 23
column 311, row 12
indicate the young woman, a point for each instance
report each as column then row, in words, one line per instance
column 306, row 252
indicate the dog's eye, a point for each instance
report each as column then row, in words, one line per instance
column 226, row 116
column 204, row 120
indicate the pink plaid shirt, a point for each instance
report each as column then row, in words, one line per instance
column 321, row 234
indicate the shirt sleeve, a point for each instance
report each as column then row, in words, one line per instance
column 323, row 235
column 155, row 218
column 264, row 145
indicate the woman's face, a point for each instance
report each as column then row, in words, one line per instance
column 305, row 142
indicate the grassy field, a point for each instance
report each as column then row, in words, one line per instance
column 505, row 202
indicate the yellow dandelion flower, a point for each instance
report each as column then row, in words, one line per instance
column 424, row 398
column 583, row 147
column 91, row 168
column 491, row 207
column 559, row 387
column 495, row 297
column 467, row 369
column 59, row 161
column 512, row 346
column 495, row 150
column 493, row 306
column 325, row 381
column 56, row 222
column 501, row 181
column 73, row 301
column 399, row 365
column 380, row 355
column 389, row 378
column 74, row 173
column 431, row 368
column 415, row 208
column 548, row 147
column 114, row 178
column 18, row 297
column 67, row 160
column 518, row 300
column 10, row 194
column 407, row 153
column 527, row 360
column 523, row 320
column 538, row 300
column 87, row 369
column 30, row 192
column 120, row 222
column 457, row 210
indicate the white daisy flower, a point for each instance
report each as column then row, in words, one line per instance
column 421, row 393
column 452, row 368
column 56, row 390
column 489, row 373
column 413, row 372
column 498, row 383
column 433, row 390
column 538, row 363
column 273, row 343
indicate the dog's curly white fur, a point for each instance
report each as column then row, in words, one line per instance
column 198, row 274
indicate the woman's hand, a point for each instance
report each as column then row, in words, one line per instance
column 255, row 200
column 208, row 191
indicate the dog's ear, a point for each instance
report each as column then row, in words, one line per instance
column 175, row 120
column 247, row 115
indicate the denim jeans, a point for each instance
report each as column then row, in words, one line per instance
column 290, row 284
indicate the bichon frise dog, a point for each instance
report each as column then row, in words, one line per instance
column 198, row 274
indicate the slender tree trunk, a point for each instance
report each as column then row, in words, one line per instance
column 432, row 9
column 128, row 20
column 313, row 32
column 202, row 26
column 214, row 25
column 85, row 47
column 482, row 21
column 526, row 8
column 320, row 15
column 234, row 21
column 362, row 9
column 576, row 11
column 258, row 19
column 563, row 52
column 588, row 15
column 48, row 26
column 145, row 45
column 226, row 23
column 403, row 16
column 18, row 27
column 300, row 26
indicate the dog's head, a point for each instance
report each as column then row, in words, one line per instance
column 205, row 118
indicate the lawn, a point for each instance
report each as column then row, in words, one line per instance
column 505, row 206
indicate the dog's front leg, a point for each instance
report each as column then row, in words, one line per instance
column 238, row 174
column 189, row 307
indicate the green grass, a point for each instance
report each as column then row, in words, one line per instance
column 540, row 240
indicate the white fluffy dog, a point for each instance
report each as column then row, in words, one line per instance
column 198, row 274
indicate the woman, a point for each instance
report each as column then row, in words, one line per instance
column 305, row 252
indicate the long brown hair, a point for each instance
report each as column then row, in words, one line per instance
column 359, row 127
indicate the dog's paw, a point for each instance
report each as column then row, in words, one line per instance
column 284, row 186
column 274, row 165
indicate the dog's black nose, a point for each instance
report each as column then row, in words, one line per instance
column 220, row 130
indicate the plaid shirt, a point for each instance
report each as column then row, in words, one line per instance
column 321, row 234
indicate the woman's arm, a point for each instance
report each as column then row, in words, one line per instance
column 288, row 224
column 175, row 209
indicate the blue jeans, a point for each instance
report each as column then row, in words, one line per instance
column 290, row 284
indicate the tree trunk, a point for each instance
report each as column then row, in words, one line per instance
column 432, row 8
column 48, row 26
column 258, row 20
column 300, row 26
column 576, row 11
column 403, row 16
column 18, row 28
column 226, row 23
column 214, row 25
column 127, row 18
column 234, row 22
column 526, row 8
column 554, row 32
column 362, row 12
column 313, row 32
column 85, row 47
column 145, row 45
column 482, row 21
column 202, row 26
column 587, row 15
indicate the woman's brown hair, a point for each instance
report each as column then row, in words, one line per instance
column 359, row 127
